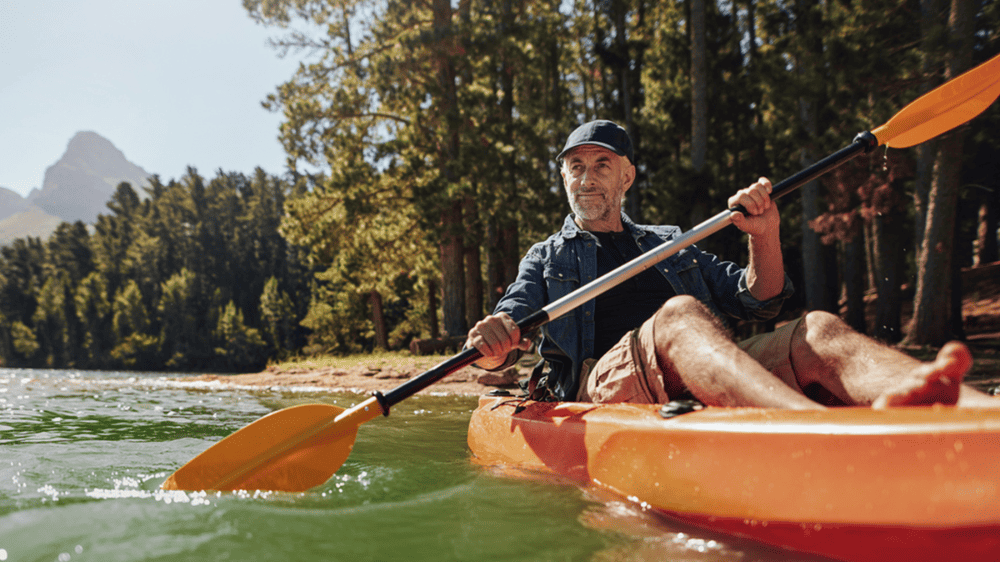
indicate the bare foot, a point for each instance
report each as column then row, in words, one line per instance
column 936, row 382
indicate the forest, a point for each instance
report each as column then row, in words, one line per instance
column 421, row 140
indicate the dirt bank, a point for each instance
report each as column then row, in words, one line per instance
column 364, row 378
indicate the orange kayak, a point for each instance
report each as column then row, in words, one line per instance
column 846, row 483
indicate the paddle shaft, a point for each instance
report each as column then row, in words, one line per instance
column 863, row 143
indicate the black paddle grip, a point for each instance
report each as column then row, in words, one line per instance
column 465, row 358
column 863, row 143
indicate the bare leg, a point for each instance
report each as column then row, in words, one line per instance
column 861, row 371
column 695, row 353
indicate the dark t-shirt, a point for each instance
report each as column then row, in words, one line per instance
column 625, row 307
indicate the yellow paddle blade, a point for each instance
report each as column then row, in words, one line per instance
column 290, row 450
column 944, row 108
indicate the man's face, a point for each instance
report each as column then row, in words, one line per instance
column 596, row 179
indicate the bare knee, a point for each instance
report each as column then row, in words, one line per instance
column 683, row 313
column 818, row 347
column 680, row 325
column 680, row 306
column 819, row 325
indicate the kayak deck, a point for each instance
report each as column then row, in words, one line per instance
column 816, row 481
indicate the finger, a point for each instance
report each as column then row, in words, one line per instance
column 768, row 189
column 760, row 199
column 514, row 335
column 738, row 220
column 495, row 340
column 478, row 337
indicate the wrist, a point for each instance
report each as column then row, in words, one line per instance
column 490, row 363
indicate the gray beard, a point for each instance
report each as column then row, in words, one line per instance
column 592, row 214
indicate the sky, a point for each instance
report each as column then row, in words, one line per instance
column 171, row 83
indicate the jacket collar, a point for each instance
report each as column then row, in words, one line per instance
column 571, row 230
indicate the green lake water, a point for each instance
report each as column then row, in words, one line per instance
column 82, row 455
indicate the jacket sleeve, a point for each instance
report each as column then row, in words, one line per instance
column 728, row 284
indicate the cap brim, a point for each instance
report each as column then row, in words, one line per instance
column 591, row 143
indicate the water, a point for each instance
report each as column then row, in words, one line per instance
column 82, row 455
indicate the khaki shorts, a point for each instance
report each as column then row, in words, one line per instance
column 629, row 371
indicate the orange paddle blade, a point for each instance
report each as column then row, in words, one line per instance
column 291, row 450
column 944, row 108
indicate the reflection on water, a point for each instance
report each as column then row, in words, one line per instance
column 82, row 455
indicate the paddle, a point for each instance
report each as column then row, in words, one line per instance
column 297, row 448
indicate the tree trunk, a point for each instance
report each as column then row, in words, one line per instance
column 453, row 271
column 889, row 239
column 432, row 309
column 957, row 320
column 931, row 13
column 503, row 258
column 986, row 232
column 854, row 281
column 871, row 248
column 815, row 264
column 932, row 322
column 473, row 266
column 494, row 264
column 452, row 225
column 926, row 155
column 378, row 320
column 820, row 269
column 699, row 87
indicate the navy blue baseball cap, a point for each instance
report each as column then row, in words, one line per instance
column 600, row 133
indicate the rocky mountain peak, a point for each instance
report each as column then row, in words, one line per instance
column 79, row 184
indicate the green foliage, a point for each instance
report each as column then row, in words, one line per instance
column 149, row 288
column 24, row 341
column 277, row 314
column 236, row 343
column 51, row 322
column 93, row 309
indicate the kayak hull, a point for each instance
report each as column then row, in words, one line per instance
column 846, row 483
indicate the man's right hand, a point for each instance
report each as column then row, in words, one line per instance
column 495, row 336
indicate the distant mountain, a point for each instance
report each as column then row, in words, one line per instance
column 76, row 187
column 11, row 202
column 83, row 180
column 30, row 222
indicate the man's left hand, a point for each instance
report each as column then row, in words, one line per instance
column 763, row 213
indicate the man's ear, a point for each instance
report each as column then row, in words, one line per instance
column 629, row 174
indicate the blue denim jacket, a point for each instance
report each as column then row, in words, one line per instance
column 568, row 259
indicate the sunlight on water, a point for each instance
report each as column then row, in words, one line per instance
column 82, row 456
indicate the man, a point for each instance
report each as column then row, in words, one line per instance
column 658, row 336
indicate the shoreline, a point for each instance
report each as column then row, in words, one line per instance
column 366, row 374
column 365, row 379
